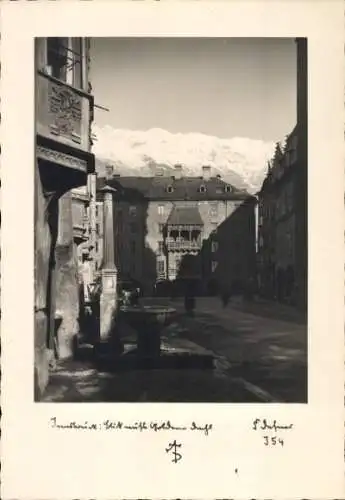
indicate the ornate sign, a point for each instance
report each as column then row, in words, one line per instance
column 65, row 106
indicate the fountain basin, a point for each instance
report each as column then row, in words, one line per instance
column 148, row 322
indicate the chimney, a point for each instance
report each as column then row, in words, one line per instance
column 178, row 171
column 206, row 172
column 159, row 172
column 109, row 171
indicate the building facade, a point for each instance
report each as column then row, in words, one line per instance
column 162, row 225
column 283, row 208
column 277, row 224
column 84, row 233
column 232, row 251
column 64, row 112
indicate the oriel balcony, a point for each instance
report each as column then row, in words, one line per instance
column 182, row 244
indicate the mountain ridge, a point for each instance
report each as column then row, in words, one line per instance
column 240, row 161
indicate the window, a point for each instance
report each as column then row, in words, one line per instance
column 57, row 48
column 160, row 267
column 214, row 246
column 214, row 210
column 228, row 189
column 160, row 209
column 97, row 229
column 202, row 188
column 170, row 189
column 64, row 59
column 160, row 228
column 214, row 265
column 132, row 210
column 160, row 247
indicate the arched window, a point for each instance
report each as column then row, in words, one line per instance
column 202, row 188
column 228, row 189
column 170, row 189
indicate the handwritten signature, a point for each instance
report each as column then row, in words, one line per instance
column 108, row 425
column 265, row 425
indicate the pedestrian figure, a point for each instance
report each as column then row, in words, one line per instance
column 225, row 298
column 189, row 303
column 189, row 300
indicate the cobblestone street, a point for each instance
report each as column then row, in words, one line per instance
column 256, row 359
column 267, row 352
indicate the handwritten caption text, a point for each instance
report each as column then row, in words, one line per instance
column 140, row 426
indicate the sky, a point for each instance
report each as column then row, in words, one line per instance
column 235, row 87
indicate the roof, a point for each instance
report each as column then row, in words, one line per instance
column 272, row 179
column 169, row 188
column 185, row 215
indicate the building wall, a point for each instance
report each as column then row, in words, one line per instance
column 283, row 238
column 43, row 242
column 139, row 237
column 212, row 214
column 67, row 287
column 55, row 263
column 301, row 189
column 79, row 205
column 267, row 243
column 279, row 254
column 99, row 235
column 285, row 242
column 129, row 234
column 140, row 253
column 232, row 248
column 91, row 215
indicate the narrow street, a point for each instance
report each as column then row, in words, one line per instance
column 185, row 204
column 261, row 349
column 256, row 359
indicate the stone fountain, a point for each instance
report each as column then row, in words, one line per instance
column 150, row 352
column 148, row 322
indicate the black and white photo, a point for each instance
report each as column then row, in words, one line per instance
column 171, row 220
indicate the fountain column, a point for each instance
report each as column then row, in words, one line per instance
column 92, row 179
column 108, row 299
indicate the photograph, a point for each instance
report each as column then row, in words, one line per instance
column 171, row 220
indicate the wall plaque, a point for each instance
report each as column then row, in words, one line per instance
column 65, row 110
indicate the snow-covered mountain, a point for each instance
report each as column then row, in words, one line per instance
column 240, row 161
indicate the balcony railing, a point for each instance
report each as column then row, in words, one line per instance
column 63, row 113
column 181, row 244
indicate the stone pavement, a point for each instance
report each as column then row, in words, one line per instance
column 80, row 382
column 269, row 353
column 270, row 309
column 257, row 359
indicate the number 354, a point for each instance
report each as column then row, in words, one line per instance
column 273, row 441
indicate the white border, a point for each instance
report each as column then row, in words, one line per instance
column 38, row 463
